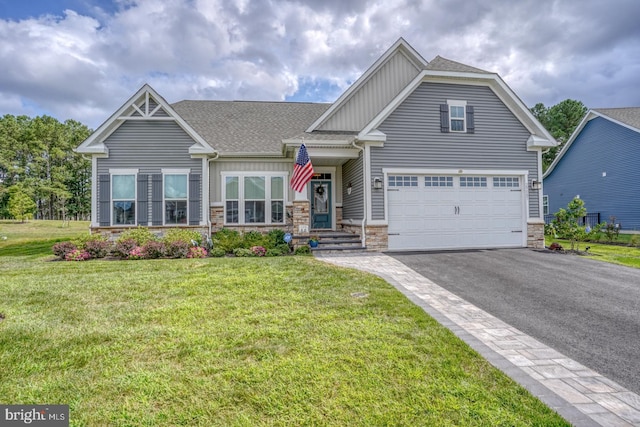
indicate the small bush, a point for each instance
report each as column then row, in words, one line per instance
column 284, row 248
column 123, row 247
column 218, row 252
column 243, row 252
column 97, row 248
column 226, row 239
column 154, row 249
column 197, row 252
column 253, row 238
column 136, row 253
column 303, row 250
column 274, row 238
column 140, row 235
column 77, row 255
column 182, row 234
column 635, row 240
column 273, row 252
column 178, row 249
column 62, row 249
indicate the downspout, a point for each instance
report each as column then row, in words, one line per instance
column 364, row 193
column 215, row 157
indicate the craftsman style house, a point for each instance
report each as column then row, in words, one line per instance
column 415, row 155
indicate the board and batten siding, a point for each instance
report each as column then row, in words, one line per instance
column 149, row 146
column 601, row 166
column 352, row 204
column 217, row 167
column 373, row 96
column 414, row 138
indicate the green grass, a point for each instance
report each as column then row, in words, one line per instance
column 615, row 254
column 35, row 238
column 277, row 341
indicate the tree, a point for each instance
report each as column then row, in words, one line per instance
column 21, row 206
column 560, row 120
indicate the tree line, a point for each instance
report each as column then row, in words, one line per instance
column 41, row 176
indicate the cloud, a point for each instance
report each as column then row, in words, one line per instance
column 84, row 65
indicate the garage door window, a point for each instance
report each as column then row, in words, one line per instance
column 403, row 181
column 506, row 181
column 438, row 181
column 473, row 181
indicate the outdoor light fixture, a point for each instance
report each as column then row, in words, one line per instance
column 536, row 185
column 349, row 188
column 377, row 183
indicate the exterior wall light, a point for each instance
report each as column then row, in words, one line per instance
column 349, row 188
column 536, row 185
column 377, row 183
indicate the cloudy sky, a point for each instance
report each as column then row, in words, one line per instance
column 82, row 59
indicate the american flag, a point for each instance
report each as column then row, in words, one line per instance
column 302, row 171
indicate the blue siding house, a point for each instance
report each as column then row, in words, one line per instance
column 601, row 164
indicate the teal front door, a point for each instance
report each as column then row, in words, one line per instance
column 321, row 204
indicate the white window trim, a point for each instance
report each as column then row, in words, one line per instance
column 164, row 200
column 545, row 204
column 118, row 172
column 457, row 103
column 267, row 192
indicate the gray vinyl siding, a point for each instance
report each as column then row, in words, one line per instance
column 353, row 204
column 415, row 140
column 373, row 96
column 148, row 146
column 216, row 169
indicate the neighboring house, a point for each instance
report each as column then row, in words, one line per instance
column 600, row 164
column 414, row 155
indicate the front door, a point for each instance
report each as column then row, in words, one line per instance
column 321, row 204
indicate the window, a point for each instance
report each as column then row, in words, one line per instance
column 545, row 205
column 457, row 116
column 438, row 181
column 403, row 181
column 175, row 198
column 473, row 181
column 123, row 199
column 254, row 199
column 506, row 181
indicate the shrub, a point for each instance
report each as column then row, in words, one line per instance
column 182, row 234
column 153, row 249
column 178, row 249
column 140, row 235
column 635, row 240
column 77, row 255
column 97, row 248
column 136, row 253
column 273, row 252
column 611, row 229
column 62, row 249
column 218, row 252
column 303, row 250
column 243, row 252
column 123, row 247
column 284, row 248
column 258, row 250
column 197, row 252
column 274, row 238
column 226, row 239
column 253, row 238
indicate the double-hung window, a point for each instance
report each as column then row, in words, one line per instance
column 457, row 116
column 175, row 197
column 123, row 198
column 254, row 199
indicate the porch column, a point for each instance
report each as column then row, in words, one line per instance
column 301, row 218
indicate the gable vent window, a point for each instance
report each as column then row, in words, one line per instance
column 457, row 116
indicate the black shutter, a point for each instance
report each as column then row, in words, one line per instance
column 156, row 199
column 143, row 199
column 444, row 118
column 104, row 203
column 194, row 198
column 471, row 128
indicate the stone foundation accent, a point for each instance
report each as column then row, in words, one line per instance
column 338, row 215
column 377, row 238
column 217, row 222
column 535, row 234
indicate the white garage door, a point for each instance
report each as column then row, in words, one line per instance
column 429, row 212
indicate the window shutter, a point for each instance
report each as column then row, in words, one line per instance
column 156, row 199
column 470, row 122
column 143, row 199
column 444, row 118
column 194, row 198
column 104, row 204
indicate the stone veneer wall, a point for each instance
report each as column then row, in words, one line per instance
column 377, row 235
column 535, row 234
column 217, row 222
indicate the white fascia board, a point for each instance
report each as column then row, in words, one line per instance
column 536, row 142
column 297, row 142
column 93, row 149
column 461, row 171
column 337, row 153
column 400, row 45
column 374, row 136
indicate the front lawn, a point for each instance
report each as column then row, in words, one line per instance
column 616, row 254
column 238, row 341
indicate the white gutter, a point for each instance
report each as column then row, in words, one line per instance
column 364, row 193
column 216, row 155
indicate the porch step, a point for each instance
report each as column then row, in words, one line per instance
column 338, row 241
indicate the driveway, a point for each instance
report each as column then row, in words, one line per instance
column 586, row 309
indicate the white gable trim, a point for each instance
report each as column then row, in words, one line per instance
column 95, row 143
column 401, row 45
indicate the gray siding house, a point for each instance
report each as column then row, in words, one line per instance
column 415, row 155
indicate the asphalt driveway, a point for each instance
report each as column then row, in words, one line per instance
column 586, row 309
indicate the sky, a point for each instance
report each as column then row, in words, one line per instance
column 82, row 59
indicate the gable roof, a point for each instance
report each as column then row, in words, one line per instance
column 628, row 117
column 248, row 127
column 145, row 104
column 442, row 64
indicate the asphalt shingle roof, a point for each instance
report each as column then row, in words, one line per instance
column 245, row 127
column 442, row 64
column 629, row 116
